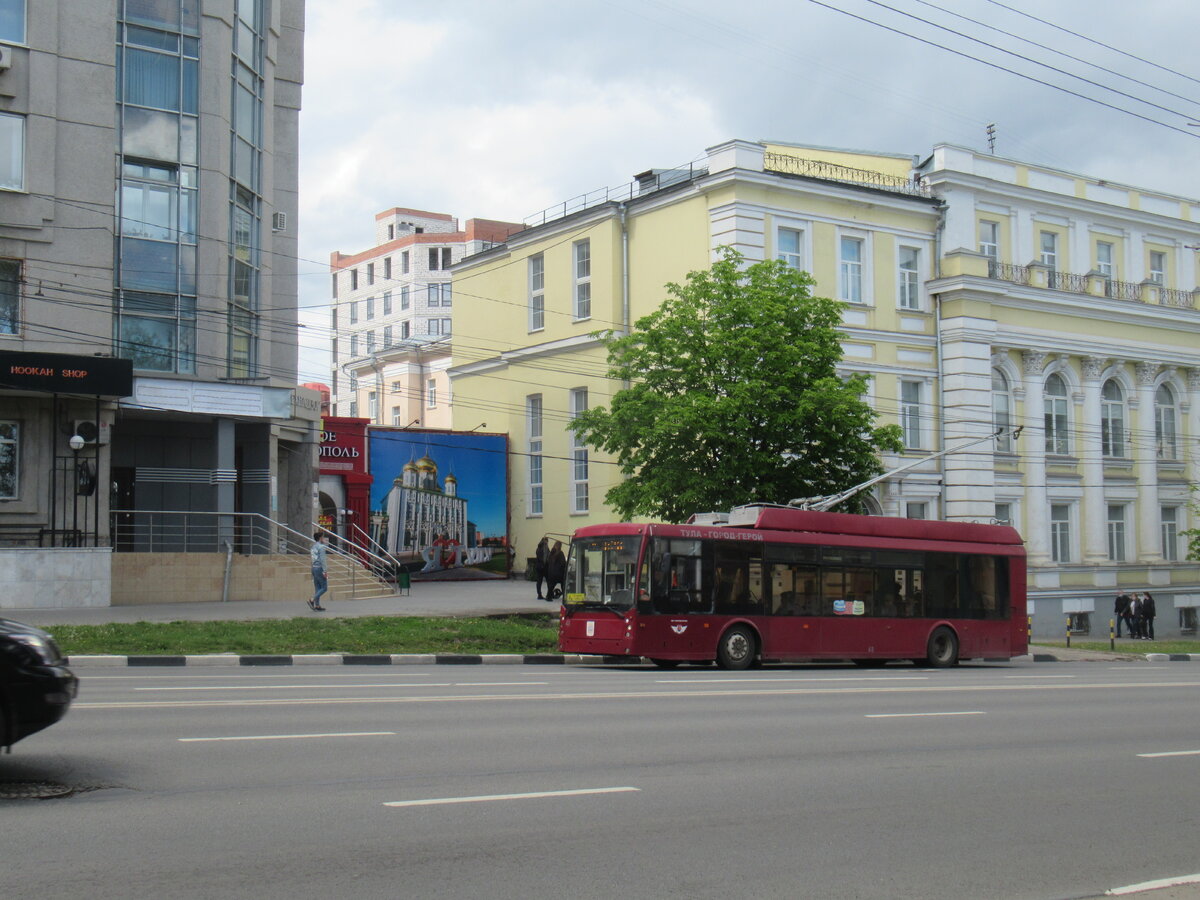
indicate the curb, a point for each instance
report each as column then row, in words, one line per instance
column 358, row 659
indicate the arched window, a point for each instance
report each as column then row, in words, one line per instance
column 1112, row 419
column 1002, row 411
column 1056, row 415
column 1164, row 422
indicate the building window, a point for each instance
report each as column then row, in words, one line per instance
column 583, row 279
column 789, row 247
column 1164, row 423
column 1002, row 411
column 1112, row 420
column 404, row 262
column 1169, row 519
column 370, row 273
column 916, row 510
column 1050, row 249
column 850, row 269
column 353, row 345
column 439, row 326
column 354, row 409
column 1104, row 258
column 370, row 342
column 372, row 405
column 1158, row 267
column 533, row 423
column 1060, row 532
column 431, row 393
column 438, row 294
column 334, row 288
column 370, row 307
column 10, row 449
column 1116, row 532
column 537, row 292
column 353, row 312
column 387, row 303
column 404, row 331
column 404, row 298
column 989, row 239
column 908, row 277
column 1056, row 416
column 1079, row 622
column 387, row 262
column 579, row 456
column 12, row 152
column 10, row 296
column 396, row 420
column 387, row 336
column 439, row 258
column 391, row 232
column 12, row 21
column 910, row 413
column 354, row 279
column 1003, row 514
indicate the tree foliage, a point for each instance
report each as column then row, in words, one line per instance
column 734, row 397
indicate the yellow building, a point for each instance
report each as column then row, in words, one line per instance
column 996, row 291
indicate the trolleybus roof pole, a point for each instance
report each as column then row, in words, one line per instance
column 821, row 504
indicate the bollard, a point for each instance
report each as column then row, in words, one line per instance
column 1068, row 631
column 1028, row 630
column 1112, row 638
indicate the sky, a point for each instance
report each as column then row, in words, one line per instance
column 497, row 110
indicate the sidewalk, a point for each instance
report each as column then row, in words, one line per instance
column 436, row 598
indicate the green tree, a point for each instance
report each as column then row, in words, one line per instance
column 734, row 397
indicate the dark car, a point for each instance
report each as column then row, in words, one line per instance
column 36, row 687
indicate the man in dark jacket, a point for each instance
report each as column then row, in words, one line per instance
column 1147, row 617
column 1121, row 612
column 541, row 558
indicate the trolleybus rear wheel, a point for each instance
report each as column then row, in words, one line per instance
column 942, row 649
column 737, row 648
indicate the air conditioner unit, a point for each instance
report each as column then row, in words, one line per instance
column 6, row 57
column 279, row 221
column 88, row 430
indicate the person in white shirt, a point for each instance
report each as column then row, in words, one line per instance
column 320, row 570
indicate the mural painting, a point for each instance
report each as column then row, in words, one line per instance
column 439, row 501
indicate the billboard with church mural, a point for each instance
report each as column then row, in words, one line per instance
column 439, row 501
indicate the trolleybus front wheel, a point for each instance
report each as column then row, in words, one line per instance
column 737, row 648
column 942, row 649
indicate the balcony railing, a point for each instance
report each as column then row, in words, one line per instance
column 827, row 171
column 1093, row 284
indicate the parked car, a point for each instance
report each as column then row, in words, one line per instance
column 36, row 687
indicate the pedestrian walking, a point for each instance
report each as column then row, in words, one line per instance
column 1121, row 612
column 320, row 570
column 556, row 572
column 1148, row 613
column 540, row 559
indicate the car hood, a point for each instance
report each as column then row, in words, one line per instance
column 8, row 626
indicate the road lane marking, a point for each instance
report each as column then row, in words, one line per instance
column 286, row 737
column 1039, row 676
column 792, row 680
column 489, row 798
column 1170, row 753
column 243, row 673
column 973, row 712
column 289, row 687
column 642, row 695
column 1153, row 885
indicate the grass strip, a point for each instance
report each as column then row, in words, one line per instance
column 1127, row 645
column 374, row 634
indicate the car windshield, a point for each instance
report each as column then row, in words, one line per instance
column 601, row 572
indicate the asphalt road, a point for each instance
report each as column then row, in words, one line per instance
column 1049, row 780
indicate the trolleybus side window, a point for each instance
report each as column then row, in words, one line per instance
column 678, row 580
column 737, row 579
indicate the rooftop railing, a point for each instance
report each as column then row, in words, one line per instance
column 1093, row 284
column 646, row 184
column 828, row 171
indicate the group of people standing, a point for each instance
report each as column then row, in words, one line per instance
column 550, row 566
column 1137, row 612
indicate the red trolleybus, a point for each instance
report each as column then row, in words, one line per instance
column 784, row 584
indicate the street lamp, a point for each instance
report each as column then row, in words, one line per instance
column 76, row 444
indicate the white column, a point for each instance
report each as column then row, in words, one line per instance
column 969, row 484
column 1037, row 510
column 1191, row 437
column 1146, row 466
column 1094, row 515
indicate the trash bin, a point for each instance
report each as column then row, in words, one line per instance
column 403, row 582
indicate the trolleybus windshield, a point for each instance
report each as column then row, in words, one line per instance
column 601, row 572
